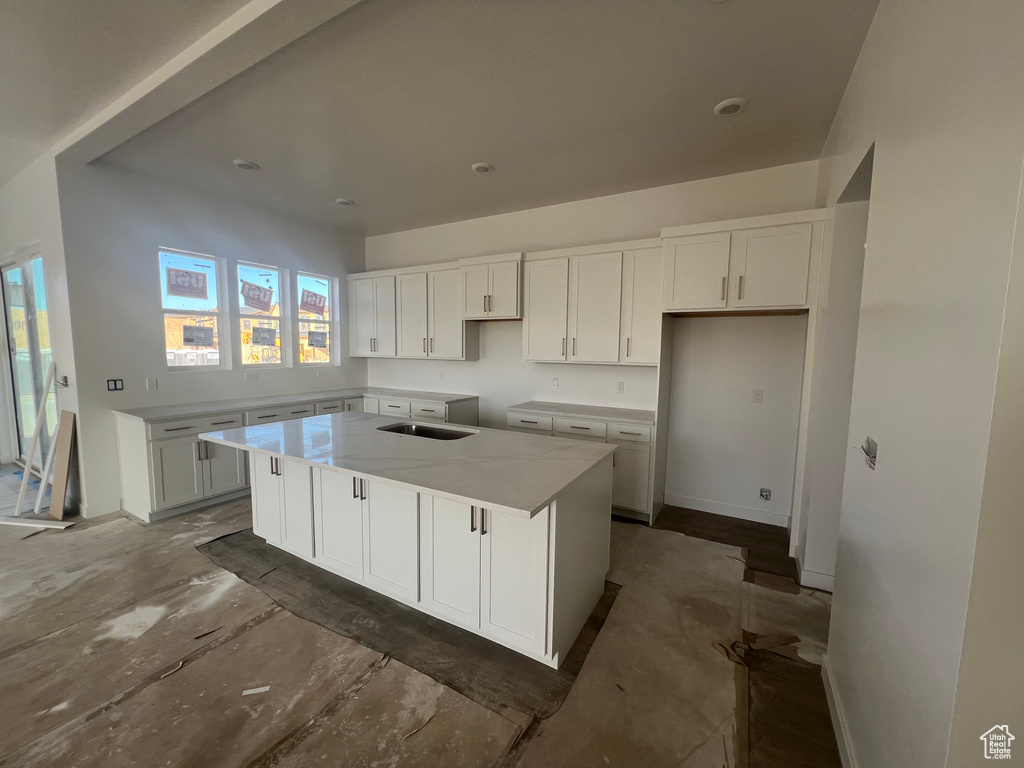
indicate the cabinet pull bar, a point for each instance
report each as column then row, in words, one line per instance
column 526, row 421
column 219, row 423
column 424, row 343
column 355, row 492
column 362, row 489
column 472, row 519
column 394, row 406
column 725, row 279
column 296, row 413
column 740, row 296
column 574, row 346
column 613, row 459
column 178, row 429
column 637, row 434
column 627, row 346
column 563, row 346
column 431, row 345
column 268, row 416
column 328, row 408
column 573, row 426
column 427, row 410
column 483, row 521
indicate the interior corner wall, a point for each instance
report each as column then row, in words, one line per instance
column 114, row 222
column 30, row 222
column 723, row 447
column 939, row 90
column 500, row 377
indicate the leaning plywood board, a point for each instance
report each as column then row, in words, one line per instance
column 65, row 451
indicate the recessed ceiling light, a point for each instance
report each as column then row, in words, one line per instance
column 345, row 201
column 246, row 165
column 482, row 167
column 730, row 107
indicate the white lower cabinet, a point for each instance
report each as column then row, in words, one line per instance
column 630, row 476
column 267, row 500
column 338, row 523
column 186, row 469
column 514, row 579
column 450, row 560
column 391, row 540
column 283, row 503
column 223, row 469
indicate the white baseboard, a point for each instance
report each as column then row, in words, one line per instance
column 728, row 510
column 835, row 707
column 816, row 580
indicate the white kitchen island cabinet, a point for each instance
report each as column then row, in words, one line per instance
column 503, row 534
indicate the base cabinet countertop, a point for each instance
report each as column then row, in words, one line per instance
column 455, row 538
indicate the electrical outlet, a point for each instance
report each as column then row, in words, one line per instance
column 152, row 383
column 620, row 387
column 115, row 385
column 250, row 376
column 766, row 494
column 758, row 395
column 554, row 383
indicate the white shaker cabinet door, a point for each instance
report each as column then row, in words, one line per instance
column 411, row 303
column 632, row 466
column 177, row 472
column 696, row 271
column 514, row 579
column 445, row 333
column 371, row 405
column 640, row 335
column 384, row 344
column 362, row 317
column 391, row 540
column 266, row 498
column 450, row 564
column 771, row 265
column 595, row 290
column 475, row 284
column 338, row 512
column 545, row 309
column 297, row 499
column 503, row 301
column 223, row 468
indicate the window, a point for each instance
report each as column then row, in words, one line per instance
column 191, row 309
column 314, row 318
column 259, row 304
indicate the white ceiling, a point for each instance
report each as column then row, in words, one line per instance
column 62, row 62
column 392, row 101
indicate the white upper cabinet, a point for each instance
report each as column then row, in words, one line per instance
column 640, row 332
column 595, row 290
column 490, row 287
column 546, row 301
column 771, row 265
column 696, row 271
column 372, row 316
column 411, row 314
column 446, row 334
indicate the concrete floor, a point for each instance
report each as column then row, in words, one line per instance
column 122, row 645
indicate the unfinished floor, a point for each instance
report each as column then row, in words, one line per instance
column 124, row 646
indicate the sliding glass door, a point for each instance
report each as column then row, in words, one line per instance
column 28, row 336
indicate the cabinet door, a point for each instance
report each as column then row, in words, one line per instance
column 545, row 309
column 504, row 290
column 297, row 499
column 640, row 335
column 771, row 265
column 595, row 290
column 445, row 330
column 475, row 284
column 514, row 582
column 411, row 308
column 450, row 559
column 362, row 317
column 266, row 498
column 630, row 475
column 391, row 541
column 177, row 472
column 384, row 306
column 354, row 404
column 223, row 467
column 338, row 514
column 696, row 271
column 371, row 405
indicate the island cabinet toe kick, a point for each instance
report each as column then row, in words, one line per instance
column 526, row 582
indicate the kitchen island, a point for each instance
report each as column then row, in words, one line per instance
column 504, row 534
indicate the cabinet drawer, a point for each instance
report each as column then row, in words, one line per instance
column 583, row 427
column 185, row 427
column 429, row 411
column 545, row 432
column 330, row 406
column 529, row 421
column 394, row 407
column 629, row 432
column 280, row 413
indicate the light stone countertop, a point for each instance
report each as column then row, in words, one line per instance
column 510, row 472
column 165, row 412
column 569, row 410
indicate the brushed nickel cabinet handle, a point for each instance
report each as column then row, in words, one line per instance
column 613, row 459
column 627, row 346
column 304, row 410
column 483, row 521
column 362, row 490
column 431, row 345
column 427, row 410
column 725, row 280
column 573, row 426
column 424, row 343
column 177, row 429
column 219, row 423
column 563, row 346
column 574, row 346
column 268, row 416
column 328, row 408
column 526, row 421
column 472, row 519
column 624, row 432
column 740, row 294
column 355, row 493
